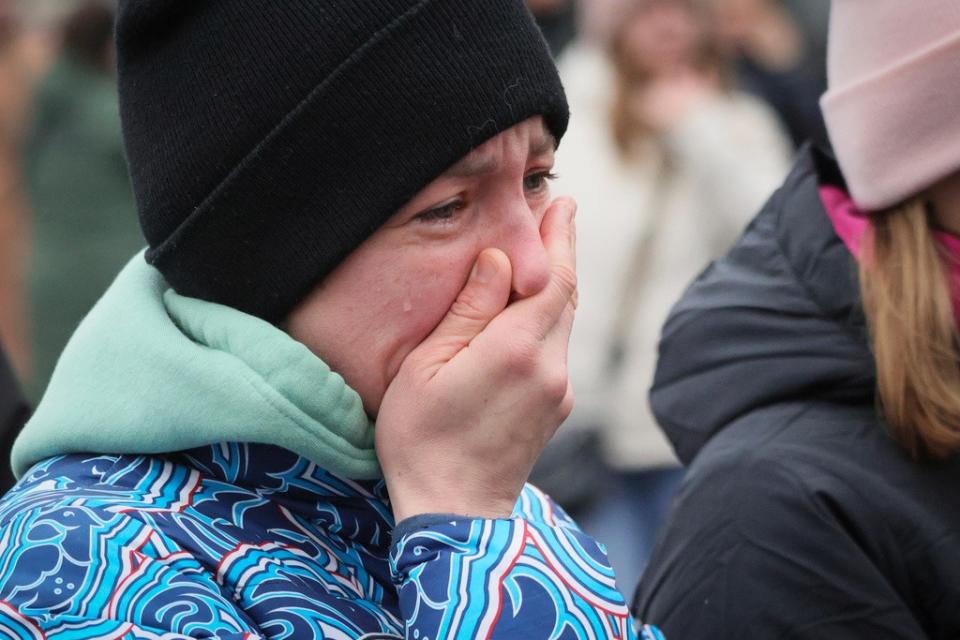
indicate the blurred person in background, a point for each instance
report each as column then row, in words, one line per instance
column 813, row 18
column 668, row 163
column 13, row 414
column 774, row 60
column 812, row 376
column 18, row 65
column 78, row 186
column 557, row 20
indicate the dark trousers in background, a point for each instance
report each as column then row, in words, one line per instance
column 627, row 517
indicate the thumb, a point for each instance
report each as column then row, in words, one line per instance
column 482, row 298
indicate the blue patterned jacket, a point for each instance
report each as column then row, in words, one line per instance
column 292, row 538
column 252, row 541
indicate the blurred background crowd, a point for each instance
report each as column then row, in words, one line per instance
column 685, row 114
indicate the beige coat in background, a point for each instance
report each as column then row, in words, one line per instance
column 728, row 157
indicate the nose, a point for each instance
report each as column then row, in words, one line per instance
column 520, row 239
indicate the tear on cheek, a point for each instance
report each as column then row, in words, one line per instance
column 407, row 306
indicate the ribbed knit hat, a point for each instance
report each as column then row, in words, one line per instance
column 893, row 106
column 267, row 140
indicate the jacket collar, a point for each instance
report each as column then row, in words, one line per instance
column 358, row 510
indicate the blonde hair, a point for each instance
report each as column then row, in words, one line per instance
column 907, row 299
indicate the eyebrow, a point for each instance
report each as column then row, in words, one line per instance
column 544, row 144
column 471, row 165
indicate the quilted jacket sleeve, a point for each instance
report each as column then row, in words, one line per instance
column 533, row 576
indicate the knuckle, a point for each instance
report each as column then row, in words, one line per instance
column 555, row 388
column 565, row 278
column 468, row 307
column 522, row 358
column 566, row 406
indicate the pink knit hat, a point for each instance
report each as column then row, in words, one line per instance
column 893, row 106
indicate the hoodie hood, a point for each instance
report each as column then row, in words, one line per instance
column 776, row 320
column 149, row 371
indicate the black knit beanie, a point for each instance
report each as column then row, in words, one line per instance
column 267, row 140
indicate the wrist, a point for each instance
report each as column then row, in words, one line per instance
column 413, row 504
column 473, row 512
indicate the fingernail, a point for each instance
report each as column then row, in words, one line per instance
column 484, row 269
column 571, row 209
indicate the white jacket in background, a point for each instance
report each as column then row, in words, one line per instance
column 727, row 157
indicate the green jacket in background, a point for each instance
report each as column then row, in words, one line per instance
column 84, row 216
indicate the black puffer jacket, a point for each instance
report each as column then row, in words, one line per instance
column 800, row 516
column 13, row 415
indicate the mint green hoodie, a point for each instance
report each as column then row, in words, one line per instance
column 149, row 371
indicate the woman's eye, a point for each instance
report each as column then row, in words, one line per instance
column 537, row 181
column 443, row 213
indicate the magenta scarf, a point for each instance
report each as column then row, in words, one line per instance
column 850, row 223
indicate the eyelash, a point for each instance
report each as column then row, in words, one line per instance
column 443, row 212
column 542, row 176
column 446, row 211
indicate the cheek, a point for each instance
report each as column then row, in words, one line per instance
column 418, row 297
column 373, row 313
column 639, row 43
column 539, row 208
